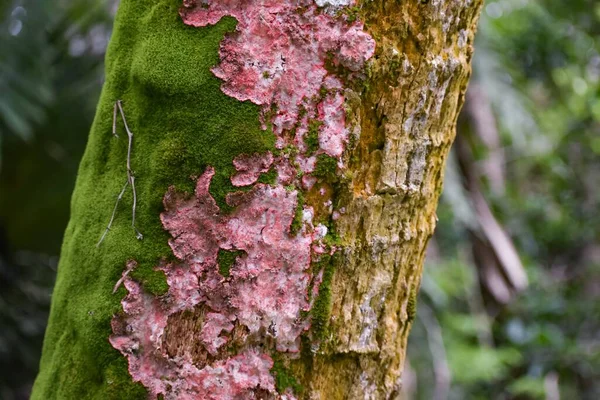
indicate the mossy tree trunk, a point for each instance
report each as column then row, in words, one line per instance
column 278, row 186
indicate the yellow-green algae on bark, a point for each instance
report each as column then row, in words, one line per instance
column 182, row 122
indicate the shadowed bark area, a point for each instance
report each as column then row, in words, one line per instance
column 324, row 209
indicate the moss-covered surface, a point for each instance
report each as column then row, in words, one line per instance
column 182, row 122
column 411, row 307
column 284, row 377
column 312, row 136
column 298, row 214
column 326, row 168
column 225, row 259
column 269, row 177
column 321, row 310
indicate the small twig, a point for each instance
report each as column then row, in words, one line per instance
column 130, row 266
column 130, row 175
column 114, row 126
column 138, row 234
column 112, row 217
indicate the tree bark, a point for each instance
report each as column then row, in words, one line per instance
column 270, row 195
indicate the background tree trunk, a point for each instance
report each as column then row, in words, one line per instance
column 284, row 234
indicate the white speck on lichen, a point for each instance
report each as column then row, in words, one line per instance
column 333, row 3
column 307, row 215
column 320, row 231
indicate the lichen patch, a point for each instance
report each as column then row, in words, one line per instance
column 277, row 59
column 242, row 278
column 266, row 290
column 250, row 167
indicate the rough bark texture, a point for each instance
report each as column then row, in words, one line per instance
column 288, row 160
column 408, row 116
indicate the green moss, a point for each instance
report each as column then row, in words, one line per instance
column 411, row 307
column 321, row 310
column 284, row 379
column 312, row 137
column 297, row 221
column 332, row 238
column 326, row 168
column 114, row 373
column 269, row 177
column 182, row 123
column 301, row 112
column 290, row 150
column 225, row 259
column 352, row 13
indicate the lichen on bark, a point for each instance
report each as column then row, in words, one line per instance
column 305, row 137
column 160, row 69
column 267, row 291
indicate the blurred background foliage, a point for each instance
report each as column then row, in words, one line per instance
column 51, row 69
column 509, row 302
column 508, row 308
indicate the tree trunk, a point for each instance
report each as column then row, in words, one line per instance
column 257, row 229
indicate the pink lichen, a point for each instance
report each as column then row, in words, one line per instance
column 265, row 292
column 237, row 377
column 277, row 58
column 334, row 133
column 250, row 167
column 214, row 325
column 286, row 173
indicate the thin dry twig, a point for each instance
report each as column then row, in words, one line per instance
column 112, row 217
column 131, row 264
column 130, row 175
column 114, row 125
